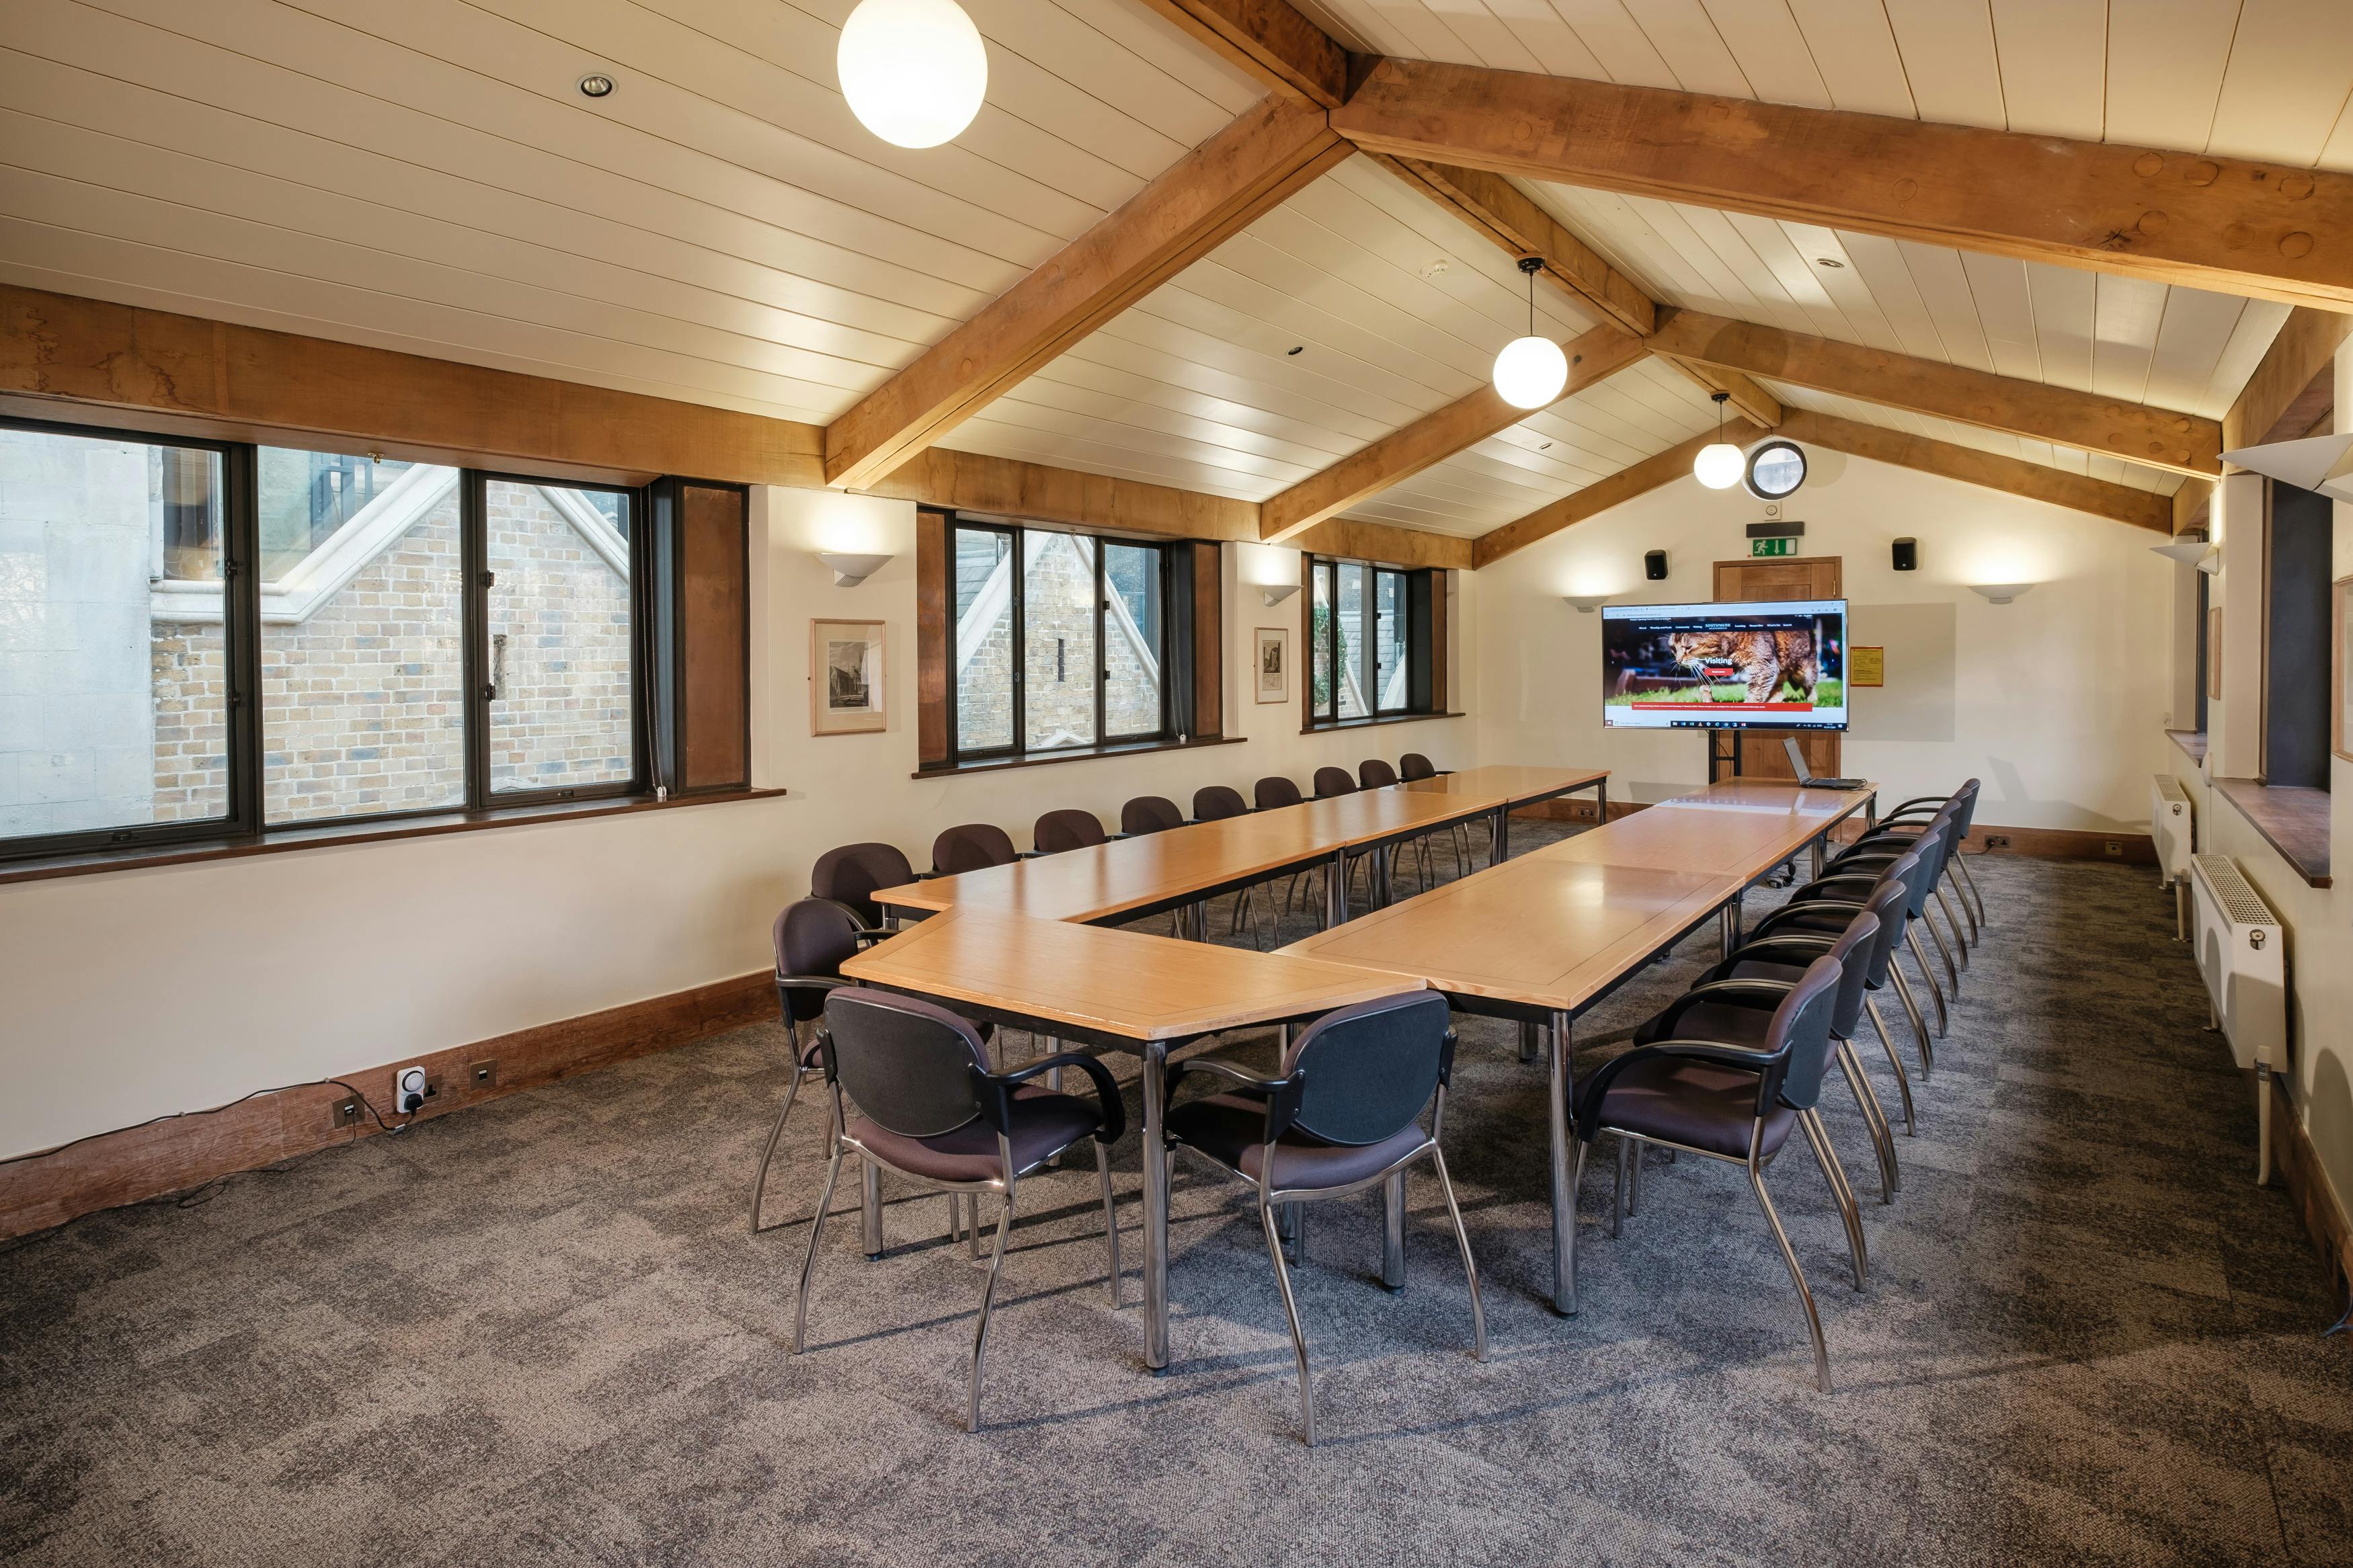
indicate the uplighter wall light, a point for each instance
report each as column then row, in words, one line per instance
column 1587, row 603
column 1999, row 592
column 848, row 570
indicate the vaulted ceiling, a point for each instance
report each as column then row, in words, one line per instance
column 425, row 176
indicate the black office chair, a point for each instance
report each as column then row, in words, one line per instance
column 1822, row 920
column 812, row 938
column 1275, row 790
column 974, row 847
column 851, row 875
column 1217, row 803
column 1883, row 843
column 1343, row 1115
column 1912, row 816
column 928, row 1108
column 1060, row 831
column 1149, row 813
column 1734, row 1100
column 1413, row 767
column 1779, row 958
column 1851, row 891
column 1934, row 848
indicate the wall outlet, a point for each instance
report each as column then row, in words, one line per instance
column 2114, row 847
column 1997, row 841
column 411, row 1088
column 483, row 1074
column 345, row 1113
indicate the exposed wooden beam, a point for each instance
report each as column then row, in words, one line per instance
column 2191, row 503
column 2230, row 224
column 2306, row 344
column 2036, row 481
column 1251, row 166
column 1432, row 439
column 78, row 360
column 2156, row 437
column 1750, row 401
column 1270, row 41
column 1659, row 468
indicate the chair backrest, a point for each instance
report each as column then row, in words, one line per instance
column 1375, row 774
column 1414, row 766
column 1853, row 950
column 974, row 847
column 1214, row 803
column 1965, row 799
column 850, row 874
column 1888, row 902
column 1370, row 1069
column 906, row 1063
column 1801, row 1025
column 1276, row 790
column 1069, row 828
column 812, row 937
column 1149, row 813
column 1929, row 849
column 1330, row 782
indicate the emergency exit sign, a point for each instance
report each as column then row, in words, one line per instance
column 1772, row 547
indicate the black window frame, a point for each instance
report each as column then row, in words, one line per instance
column 1018, row 748
column 244, row 823
column 1412, row 599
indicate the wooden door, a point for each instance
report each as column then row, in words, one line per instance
column 1792, row 577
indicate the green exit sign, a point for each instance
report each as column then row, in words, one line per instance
column 1772, row 547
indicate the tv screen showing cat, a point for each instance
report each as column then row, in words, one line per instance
column 1778, row 666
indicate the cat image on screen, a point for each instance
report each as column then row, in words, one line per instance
column 1762, row 658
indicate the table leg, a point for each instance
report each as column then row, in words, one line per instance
column 1393, row 1231
column 1335, row 892
column 1499, row 834
column 1601, row 804
column 1821, row 853
column 1564, row 1195
column 1527, row 1042
column 1731, row 920
column 1155, row 1207
column 870, row 1207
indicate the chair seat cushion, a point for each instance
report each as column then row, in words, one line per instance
column 1231, row 1129
column 1044, row 1124
column 1697, row 1104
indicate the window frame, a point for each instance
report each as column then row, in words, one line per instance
column 1322, row 573
column 1017, row 748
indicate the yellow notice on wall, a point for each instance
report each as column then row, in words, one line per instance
column 1866, row 667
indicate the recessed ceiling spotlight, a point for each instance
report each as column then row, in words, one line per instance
column 1827, row 262
column 1296, row 349
column 594, row 86
column 1437, row 266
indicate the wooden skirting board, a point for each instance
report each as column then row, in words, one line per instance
column 2046, row 843
column 141, row 1162
column 2324, row 1216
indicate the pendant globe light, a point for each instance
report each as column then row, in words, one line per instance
column 914, row 72
column 1531, row 371
column 1719, row 463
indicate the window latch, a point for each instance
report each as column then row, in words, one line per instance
column 489, row 579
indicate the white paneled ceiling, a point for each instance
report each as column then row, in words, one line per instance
column 2250, row 78
column 425, row 175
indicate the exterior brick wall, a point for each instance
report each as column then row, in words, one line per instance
column 1057, row 604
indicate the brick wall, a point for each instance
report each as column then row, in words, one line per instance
column 1058, row 606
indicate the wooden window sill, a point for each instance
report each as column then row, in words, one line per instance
column 2293, row 819
column 1075, row 755
column 2192, row 741
column 277, row 840
column 1330, row 724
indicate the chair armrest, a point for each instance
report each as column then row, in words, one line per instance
column 1597, row 1087
column 1918, row 803
column 1840, row 879
column 867, row 935
column 997, row 1091
column 1029, row 855
column 1720, row 991
column 1809, row 945
column 814, row 982
column 1282, row 1094
column 1791, row 914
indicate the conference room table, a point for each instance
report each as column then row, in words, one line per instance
column 1127, row 990
column 1545, row 936
column 1182, row 867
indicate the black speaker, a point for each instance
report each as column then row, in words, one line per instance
column 1655, row 565
column 1907, row 555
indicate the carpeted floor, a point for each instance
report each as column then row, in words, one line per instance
column 537, row 1331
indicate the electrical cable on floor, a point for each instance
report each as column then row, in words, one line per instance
column 366, row 1104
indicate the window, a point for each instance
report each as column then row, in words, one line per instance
column 1371, row 636
column 201, row 639
column 1059, row 640
column 2298, row 532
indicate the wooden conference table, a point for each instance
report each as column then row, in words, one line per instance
column 1543, row 938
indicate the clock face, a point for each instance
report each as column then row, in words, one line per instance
column 1775, row 469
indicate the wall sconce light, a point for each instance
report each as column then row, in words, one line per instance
column 2211, row 562
column 1999, row 592
column 2207, row 557
column 848, row 570
column 1587, row 603
column 1275, row 593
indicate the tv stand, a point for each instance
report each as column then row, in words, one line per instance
column 1721, row 763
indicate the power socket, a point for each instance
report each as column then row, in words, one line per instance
column 483, row 1074
column 1995, row 841
column 411, row 1088
column 345, row 1112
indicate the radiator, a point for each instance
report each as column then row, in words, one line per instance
column 2170, row 824
column 2242, row 957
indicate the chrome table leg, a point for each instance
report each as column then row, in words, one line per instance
column 1564, row 1194
column 1393, row 1231
column 1527, row 1042
column 870, row 1207
column 1155, row 1207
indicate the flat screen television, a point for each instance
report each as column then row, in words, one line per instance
column 1768, row 664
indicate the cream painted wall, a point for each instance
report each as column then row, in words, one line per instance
column 2057, row 699
column 135, row 994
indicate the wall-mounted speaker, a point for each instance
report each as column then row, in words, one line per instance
column 1655, row 565
column 1907, row 555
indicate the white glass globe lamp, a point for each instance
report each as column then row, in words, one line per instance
column 914, row 72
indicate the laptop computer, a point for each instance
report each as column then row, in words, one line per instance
column 1798, row 766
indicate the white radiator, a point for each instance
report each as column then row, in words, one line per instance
column 2242, row 955
column 2170, row 824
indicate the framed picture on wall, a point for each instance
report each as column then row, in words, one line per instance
column 2214, row 655
column 847, row 695
column 2340, row 724
column 1273, row 664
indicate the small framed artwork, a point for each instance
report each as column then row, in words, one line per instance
column 847, row 693
column 1273, row 664
column 2340, row 722
column 2214, row 655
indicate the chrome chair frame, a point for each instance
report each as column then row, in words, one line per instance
column 991, row 1091
column 1282, row 1101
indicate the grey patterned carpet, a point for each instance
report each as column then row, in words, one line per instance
column 537, row 1332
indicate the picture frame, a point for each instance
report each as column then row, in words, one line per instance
column 849, row 677
column 1270, row 665
column 2341, row 639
